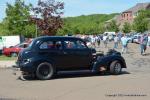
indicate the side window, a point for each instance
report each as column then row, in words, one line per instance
column 80, row 45
column 51, row 45
column 58, row 45
column 23, row 45
column 44, row 45
column 69, row 44
column 74, row 45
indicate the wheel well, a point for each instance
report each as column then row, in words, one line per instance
column 44, row 61
column 49, row 72
column 122, row 65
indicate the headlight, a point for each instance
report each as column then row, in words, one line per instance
column 25, row 61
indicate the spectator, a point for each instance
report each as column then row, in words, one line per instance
column 143, row 43
column 124, row 42
column 148, row 44
column 105, row 40
column 116, row 39
column 119, row 37
column 93, row 40
column 98, row 40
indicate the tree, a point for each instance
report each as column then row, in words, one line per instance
column 3, row 28
column 17, row 19
column 126, row 27
column 50, row 12
column 101, row 29
column 112, row 26
column 149, row 25
column 141, row 23
column 85, row 24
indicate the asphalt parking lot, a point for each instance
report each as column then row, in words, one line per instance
column 133, row 84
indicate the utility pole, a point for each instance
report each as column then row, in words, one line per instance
column 36, row 27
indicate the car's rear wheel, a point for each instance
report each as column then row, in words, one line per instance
column 115, row 67
column 14, row 54
column 44, row 71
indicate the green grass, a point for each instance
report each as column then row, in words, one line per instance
column 5, row 58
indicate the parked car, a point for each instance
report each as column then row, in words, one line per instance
column 7, row 41
column 136, row 38
column 110, row 35
column 46, row 56
column 14, row 50
column 148, row 44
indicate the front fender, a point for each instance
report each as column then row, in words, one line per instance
column 38, row 61
column 105, row 61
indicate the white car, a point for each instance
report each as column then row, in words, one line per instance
column 136, row 38
column 148, row 44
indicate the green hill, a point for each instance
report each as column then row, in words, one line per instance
column 86, row 24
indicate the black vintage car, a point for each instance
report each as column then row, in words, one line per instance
column 47, row 55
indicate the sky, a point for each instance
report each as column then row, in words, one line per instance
column 84, row 7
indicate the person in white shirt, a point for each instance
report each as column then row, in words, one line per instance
column 93, row 40
column 105, row 40
column 124, row 42
column 148, row 44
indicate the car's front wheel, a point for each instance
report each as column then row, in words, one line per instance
column 44, row 71
column 115, row 67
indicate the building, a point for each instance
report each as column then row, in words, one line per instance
column 130, row 14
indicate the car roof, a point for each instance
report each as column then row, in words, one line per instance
column 57, row 38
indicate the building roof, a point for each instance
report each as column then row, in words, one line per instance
column 138, row 6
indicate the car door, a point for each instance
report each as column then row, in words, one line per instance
column 52, row 51
column 76, row 54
